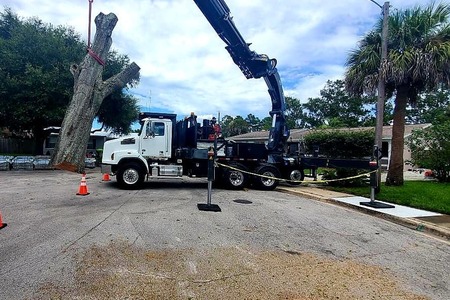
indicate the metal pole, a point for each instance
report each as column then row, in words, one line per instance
column 381, row 87
column 211, row 157
column 380, row 113
column 374, row 163
column 208, row 200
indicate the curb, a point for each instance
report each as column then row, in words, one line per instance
column 411, row 223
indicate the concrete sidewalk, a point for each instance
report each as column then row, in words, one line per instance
column 417, row 219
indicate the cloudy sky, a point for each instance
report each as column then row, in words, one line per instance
column 184, row 66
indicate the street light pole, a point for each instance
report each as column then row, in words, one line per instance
column 381, row 87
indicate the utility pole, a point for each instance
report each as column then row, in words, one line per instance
column 376, row 178
column 381, row 86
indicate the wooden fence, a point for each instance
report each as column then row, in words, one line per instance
column 16, row 146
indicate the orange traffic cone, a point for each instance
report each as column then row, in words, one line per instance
column 106, row 177
column 2, row 225
column 83, row 191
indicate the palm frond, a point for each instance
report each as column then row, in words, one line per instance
column 418, row 56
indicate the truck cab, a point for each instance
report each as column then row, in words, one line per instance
column 149, row 152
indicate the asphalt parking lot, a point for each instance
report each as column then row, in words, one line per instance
column 155, row 244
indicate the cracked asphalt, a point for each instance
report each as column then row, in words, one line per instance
column 155, row 244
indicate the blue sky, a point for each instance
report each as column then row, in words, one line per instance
column 184, row 66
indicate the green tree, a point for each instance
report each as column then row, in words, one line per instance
column 35, row 83
column 225, row 124
column 118, row 112
column 336, row 108
column 294, row 113
column 266, row 123
column 254, row 123
column 234, row 126
column 418, row 58
column 430, row 148
column 429, row 107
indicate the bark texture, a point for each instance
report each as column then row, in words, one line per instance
column 395, row 172
column 89, row 92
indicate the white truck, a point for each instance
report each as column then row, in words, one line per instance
column 167, row 148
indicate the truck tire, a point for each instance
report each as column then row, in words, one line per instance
column 264, row 183
column 234, row 179
column 130, row 176
column 296, row 175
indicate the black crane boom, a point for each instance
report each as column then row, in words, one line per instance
column 252, row 65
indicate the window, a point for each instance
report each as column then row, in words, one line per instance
column 91, row 143
column 50, row 142
column 158, row 128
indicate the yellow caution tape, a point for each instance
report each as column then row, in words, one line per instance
column 295, row 181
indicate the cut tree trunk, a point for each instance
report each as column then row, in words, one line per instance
column 395, row 172
column 89, row 92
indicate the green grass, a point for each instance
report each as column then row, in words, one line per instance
column 428, row 195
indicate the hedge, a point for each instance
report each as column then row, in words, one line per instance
column 338, row 143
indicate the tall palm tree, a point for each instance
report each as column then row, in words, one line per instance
column 418, row 61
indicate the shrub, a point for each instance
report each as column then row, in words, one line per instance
column 341, row 144
column 338, row 143
column 332, row 174
column 430, row 148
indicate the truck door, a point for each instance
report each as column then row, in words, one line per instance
column 156, row 142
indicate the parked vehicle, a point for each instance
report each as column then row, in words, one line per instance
column 42, row 162
column 5, row 163
column 90, row 162
column 38, row 162
column 23, row 163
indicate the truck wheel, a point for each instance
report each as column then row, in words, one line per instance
column 130, row 176
column 235, row 179
column 296, row 175
column 265, row 183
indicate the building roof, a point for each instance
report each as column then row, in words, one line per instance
column 298, row 134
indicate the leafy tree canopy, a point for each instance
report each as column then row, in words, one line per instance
column 253, row 122
column 336, row 108
column 35, row 82
column 294, row 113
column 266, row 123
column 234, row 126
column 429, row 107
column 430, row 148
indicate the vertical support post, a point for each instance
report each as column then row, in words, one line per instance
column 374, row 182
column 210, row 177
column 381, row 87
column 211, row 157
column 315, row 154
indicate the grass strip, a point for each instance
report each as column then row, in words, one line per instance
column 427, row 195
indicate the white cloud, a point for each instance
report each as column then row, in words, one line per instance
column 184, row 66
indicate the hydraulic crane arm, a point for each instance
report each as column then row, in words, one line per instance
column 252, row 65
